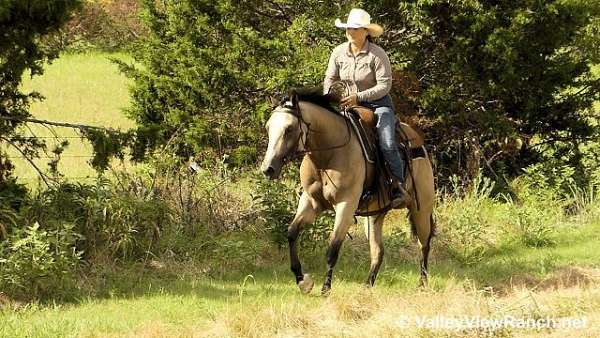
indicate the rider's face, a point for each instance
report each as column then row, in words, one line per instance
column 356, row 36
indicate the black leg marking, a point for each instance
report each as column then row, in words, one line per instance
column 375, row 269
column 295, row 265
column 425, row 252
column 332, row 257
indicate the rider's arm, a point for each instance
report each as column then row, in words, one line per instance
column 332, row 74
column 383, row 76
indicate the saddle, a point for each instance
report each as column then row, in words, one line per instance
column 411, row 146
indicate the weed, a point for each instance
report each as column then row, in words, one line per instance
column 464, row 222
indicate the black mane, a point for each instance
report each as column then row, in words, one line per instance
column 315, row 95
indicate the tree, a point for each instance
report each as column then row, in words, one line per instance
column 489, row 79
column 209, row 67
column 504, row 80
column 23, row 23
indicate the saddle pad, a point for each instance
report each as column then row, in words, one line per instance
column 365, row 135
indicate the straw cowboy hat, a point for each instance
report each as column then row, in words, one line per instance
column 359, row 18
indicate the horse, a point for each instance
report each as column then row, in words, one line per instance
column 333, row 174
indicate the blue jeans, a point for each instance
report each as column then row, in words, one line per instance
column 386, row 130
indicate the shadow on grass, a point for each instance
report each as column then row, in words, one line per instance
column 499, row 269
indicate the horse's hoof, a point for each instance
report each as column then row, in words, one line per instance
column 306, row 284
column 326, row 290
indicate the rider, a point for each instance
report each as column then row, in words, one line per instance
column 365, row 68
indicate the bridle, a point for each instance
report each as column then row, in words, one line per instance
column 293, row 108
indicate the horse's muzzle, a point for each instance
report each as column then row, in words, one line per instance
column 271, row 169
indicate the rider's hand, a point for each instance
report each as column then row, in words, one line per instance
column 350, row 101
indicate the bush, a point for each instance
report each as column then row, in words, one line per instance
column 466, row 221
column 533, row 230
column 491, row 82
column 37, row 263
column 534, row 219
column 277, row 203
column 112, row 220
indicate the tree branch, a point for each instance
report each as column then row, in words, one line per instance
column 52, row 123
column 42, row 175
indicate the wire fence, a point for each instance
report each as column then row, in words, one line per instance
column 78, row 156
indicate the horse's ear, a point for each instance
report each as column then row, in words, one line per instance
column 294, row 98
column 274, row 102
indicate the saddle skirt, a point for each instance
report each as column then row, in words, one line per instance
column 410, row 144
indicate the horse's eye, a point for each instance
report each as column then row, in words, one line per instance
column 288, row 129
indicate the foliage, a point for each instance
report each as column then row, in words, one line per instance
column 502, row 82
column 541, row 209
column 22, row 23
column 101, row 24
column 474, row 224
column 208, row 67
column 466, row 224
column 534, row 232
column 277, row 202
column 114, row 222
column 38, row 263
column 490, row 82
column 107, row 144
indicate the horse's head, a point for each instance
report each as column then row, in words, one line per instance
column 285, row 131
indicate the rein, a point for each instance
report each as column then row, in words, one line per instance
column 295, row 111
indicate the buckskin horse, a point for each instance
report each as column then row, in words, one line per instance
column 333, row 174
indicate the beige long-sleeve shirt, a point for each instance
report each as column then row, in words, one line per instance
column 368, row 74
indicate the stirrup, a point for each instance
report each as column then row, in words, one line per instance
column 399, row 196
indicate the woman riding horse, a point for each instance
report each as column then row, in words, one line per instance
column 334, row 173
column 365, row 69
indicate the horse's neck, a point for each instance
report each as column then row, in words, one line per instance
column 327, row 130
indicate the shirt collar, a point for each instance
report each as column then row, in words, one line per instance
column 364, row 50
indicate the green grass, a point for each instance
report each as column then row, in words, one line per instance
column 81, row 89
column 201, row 299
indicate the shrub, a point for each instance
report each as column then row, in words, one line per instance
column 38, row 263
column 465, row 221
column 533, row 220
column 534, row 231
column 277, row 202
column 492, row 82
column 112, row 219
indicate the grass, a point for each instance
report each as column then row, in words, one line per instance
column 256, row 297
column 81, row 89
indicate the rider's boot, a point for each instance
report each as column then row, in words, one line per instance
column 399, row 196
column 396, row 163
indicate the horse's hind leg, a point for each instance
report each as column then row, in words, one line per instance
column 422, row 224
column 421, row 214
column 373, row 231
column 306, row 213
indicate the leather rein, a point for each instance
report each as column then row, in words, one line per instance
column 294, row 109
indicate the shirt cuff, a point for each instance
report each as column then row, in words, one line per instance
column 361, row 97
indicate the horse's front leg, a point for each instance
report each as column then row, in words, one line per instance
column 306, row 213
column 344, row 217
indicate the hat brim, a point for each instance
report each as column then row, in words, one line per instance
column 374, row 29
